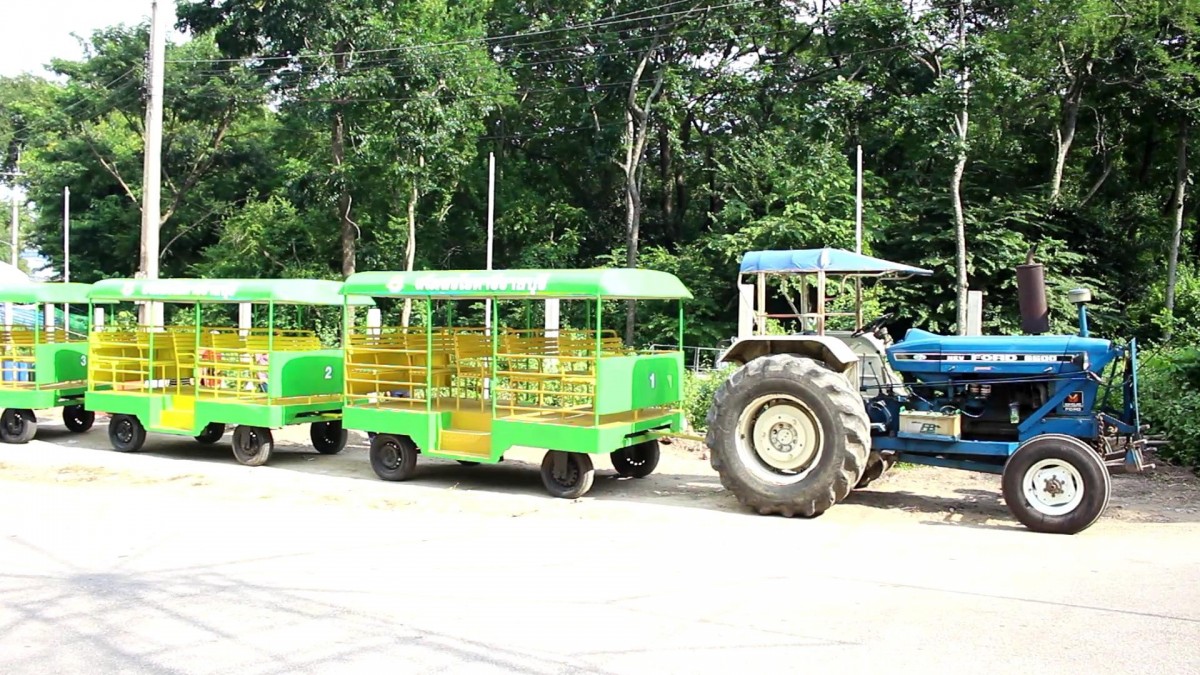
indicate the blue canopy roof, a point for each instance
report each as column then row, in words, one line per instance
column 829, row 260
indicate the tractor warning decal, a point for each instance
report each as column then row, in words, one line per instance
column 1073, row 402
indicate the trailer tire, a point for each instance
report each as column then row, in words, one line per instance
column 17, row 426
column 77, row 418
column 126, row 433
column 1056, row 484
column 329, row 438
column 638, row 460
column 811, row 423
column 575, row 481
column 252, row 446
column 394, row 458
column 212, row 433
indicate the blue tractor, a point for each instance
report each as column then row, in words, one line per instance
column 811, row 415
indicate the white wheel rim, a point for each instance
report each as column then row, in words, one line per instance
column 1053, row 487
column 779, row 439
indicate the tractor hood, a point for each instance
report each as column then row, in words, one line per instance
column 925, row 352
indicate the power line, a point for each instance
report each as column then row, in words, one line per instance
column 607, row 21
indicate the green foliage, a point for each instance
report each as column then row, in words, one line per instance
column 698, row 391
column 1169, row 395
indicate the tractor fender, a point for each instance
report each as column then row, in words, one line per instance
column 831, row 351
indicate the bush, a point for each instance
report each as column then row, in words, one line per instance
column 698, row 390
column 1169, row 396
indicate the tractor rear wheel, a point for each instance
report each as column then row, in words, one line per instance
column 788, row 435
column 1056, row 484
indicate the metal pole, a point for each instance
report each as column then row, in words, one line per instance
column 858, row 238
column 66, row 255
column 8, row 306
column 491, row 223
column 152, row 173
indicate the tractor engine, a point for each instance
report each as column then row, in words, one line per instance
column 981, row 388
column 989, row 408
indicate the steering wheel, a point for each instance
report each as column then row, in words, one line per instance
column 874, row 326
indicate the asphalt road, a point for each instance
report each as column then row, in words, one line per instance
column 153, row 564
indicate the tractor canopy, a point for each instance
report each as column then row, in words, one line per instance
column 832, row 261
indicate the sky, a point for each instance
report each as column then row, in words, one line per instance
column 34, row 31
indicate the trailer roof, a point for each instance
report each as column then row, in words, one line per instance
column 54, row 293
column 212, row 291
column 621, row 284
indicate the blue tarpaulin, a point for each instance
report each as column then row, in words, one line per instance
column 829, row 260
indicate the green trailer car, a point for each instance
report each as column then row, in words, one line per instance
column 197, row 378
column 42, row 367
column 457, row 389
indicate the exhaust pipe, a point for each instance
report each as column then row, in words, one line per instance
column 1031, row 295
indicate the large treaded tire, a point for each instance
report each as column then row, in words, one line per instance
column 832, row 402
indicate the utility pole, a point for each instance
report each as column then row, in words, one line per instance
column 66, row 254
column 152, row 167
column 8, row 306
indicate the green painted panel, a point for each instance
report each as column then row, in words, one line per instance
column 33, row 399
column 234, row 412
column 419, row 425
column 146, row 408
column 278, row 291
column 627, row 383
column 61, row 362
column 569, row 438
column 541, row 283
column 314, row 373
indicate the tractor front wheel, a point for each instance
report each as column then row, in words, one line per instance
column 17, row 426
column 636, row 461
column 1056, row 484
column 252, row 446
column 78, row 419
column 788, row 435
column 568, row 475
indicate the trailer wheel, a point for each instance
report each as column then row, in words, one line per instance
column 212, row 433
column 638, row 460
column 466, row 463
column 568, row 475
column 78, row 419
column 788, row 435
column 126, row 433
column 328, row 437
column 393, row 458
column 17, row 426
column 1056, row 484
column 252, row 446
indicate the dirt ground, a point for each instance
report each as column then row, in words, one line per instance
column 684, row 479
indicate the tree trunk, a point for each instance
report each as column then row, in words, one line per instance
column 637, row 124
column 410, row 249
column 1065, row 133
column 666, row 171
column 1181, row 176
column 961, row 123
column 349, row 231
